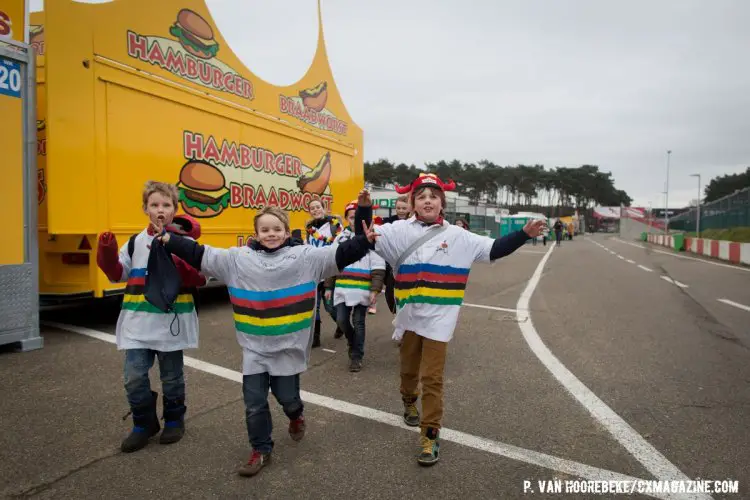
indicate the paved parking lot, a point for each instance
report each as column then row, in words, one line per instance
column 567, row 363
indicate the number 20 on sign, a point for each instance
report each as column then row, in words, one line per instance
column 10, row 78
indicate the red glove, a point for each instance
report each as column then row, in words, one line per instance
column 190, row 276
column 107, row 257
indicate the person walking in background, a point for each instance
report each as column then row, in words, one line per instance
column 320, row 231
column 461, row 222
column 558, row 228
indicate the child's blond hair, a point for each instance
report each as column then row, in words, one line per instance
column 168, row 190
column 276, row 212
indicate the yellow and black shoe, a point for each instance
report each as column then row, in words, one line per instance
column 429, row 442
column 411, row 413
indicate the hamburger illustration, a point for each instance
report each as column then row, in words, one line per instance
column 195, row 34
column 202, row 189
column 316, row 97
column 316, row 180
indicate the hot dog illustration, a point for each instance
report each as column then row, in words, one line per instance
column 316, row 97
column 316, row 180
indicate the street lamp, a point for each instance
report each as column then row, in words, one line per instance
column 666, row 192
column 698, row 220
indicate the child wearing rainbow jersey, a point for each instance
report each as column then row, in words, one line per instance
column 429, row 290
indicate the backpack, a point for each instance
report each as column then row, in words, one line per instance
column 193, row 291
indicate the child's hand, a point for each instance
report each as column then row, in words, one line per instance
column 107, row 239
column 327, row 295
column 364, row 200
column 373, row 298
column 534, row 228
column 370, row 233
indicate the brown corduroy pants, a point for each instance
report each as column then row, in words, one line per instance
column 423, row 359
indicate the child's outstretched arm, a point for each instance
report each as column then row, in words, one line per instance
column 331, row 260
column 115, row 266
column 512, row 242
column 215, row 262
column 190, row 276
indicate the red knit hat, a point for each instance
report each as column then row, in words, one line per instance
column 426, row 180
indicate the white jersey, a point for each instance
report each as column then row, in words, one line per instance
column 273, row 297
column 143, row 326
column 354, row 282
column 430, row 284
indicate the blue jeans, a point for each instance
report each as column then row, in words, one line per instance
column 327, row 304
column 137, row 385
column 355, row 334
column 258, row 416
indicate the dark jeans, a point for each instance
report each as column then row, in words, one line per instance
column 328, row 305
column 258, row 416
column 355, row 335
column 558, row 238
column 137, row 384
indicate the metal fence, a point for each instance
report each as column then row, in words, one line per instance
column 730, row 211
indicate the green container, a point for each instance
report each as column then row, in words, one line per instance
column 644, row 236
column 509, row 225
column 679, row 241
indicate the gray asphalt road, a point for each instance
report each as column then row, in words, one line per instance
column 653, row 352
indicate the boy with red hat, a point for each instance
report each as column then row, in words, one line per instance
column 430, row 284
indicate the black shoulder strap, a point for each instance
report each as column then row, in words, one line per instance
column 131, row 246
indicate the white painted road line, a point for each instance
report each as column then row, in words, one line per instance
column 630, row 261
column 494, row 308
column 672, row 254
column 646, row 269
column 735, row 304
column 621, row 257
column 642, row 450
column 674, row 282
column 329, row 350
column 531, row 251
column 570, row 467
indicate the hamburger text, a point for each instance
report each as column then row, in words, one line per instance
column 256, row 197
column 149, row 49
column 231, row 154
column 323, row 121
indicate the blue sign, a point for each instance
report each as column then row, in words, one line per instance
column 10, row 78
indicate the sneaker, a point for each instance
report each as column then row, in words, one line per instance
column 257, row 461
column 297, row 428
column 429, row 441
column 372, row 310
column 355, row 365
column 411, row 413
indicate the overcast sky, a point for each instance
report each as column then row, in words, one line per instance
column 561, row 83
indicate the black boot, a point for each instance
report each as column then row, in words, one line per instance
column 145, row 425
column 316, row 335
column 174, row 421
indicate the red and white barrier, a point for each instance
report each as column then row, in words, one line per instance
column 730, row 251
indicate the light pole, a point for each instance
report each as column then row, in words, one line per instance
column 698, row 220
column 666, row 192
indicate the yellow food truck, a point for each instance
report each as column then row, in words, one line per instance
column 138, row 90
